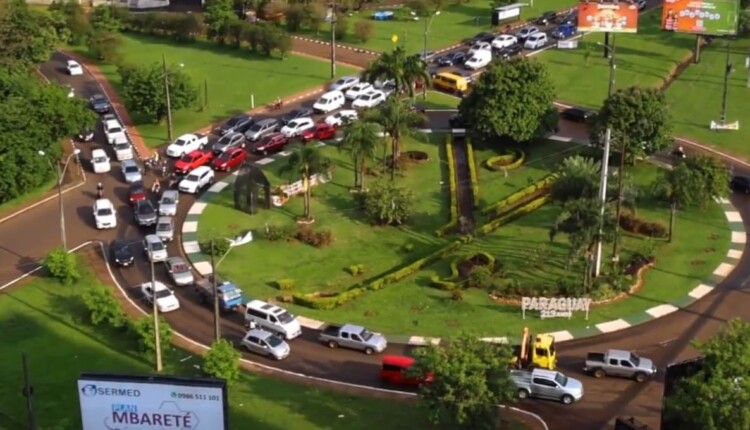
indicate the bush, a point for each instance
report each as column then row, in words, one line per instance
column 285, row 284
column 452, row 190
column 512, row 160
column 457, row 295
column 274, row 233
column 442, row 284
column 318, row 239
column 632, row 224
column 342, row 26
column 363, row 30
column 103, row 307
column 510, row 216
column 479, row 277
column 653, row 229
column 356, row 269
column 62, row 266
column 222, row 361
column 408, row 247
column 104, row 46
column 520, row 197
column 143, row 330
column 472, row 172
column 216, row 247
column 387, row 203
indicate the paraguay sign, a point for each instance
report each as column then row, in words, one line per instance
column 555, row 307
column 607, row 17
column 715, row 17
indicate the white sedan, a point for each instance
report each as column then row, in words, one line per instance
column 100, row 161
column 104, row 214
column 357, row 90
column 504, row 41
column 340, row 118
column 166, row 301
column 74, row 69
column 369, row 100
column 295, row 127
column 480, row 46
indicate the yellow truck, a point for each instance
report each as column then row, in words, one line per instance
column 535, row 352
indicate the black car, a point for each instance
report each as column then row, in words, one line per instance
column 121, row 253
column 576, row 114
column 452, row 59
column 86, row 134
column 547, row 18
column 509, row 51
column 481, row 37
column 297, row 113
column 457, row 121
column 99, row 103
column 145, row 213
column 236, row 124
column 740, row 184
column 570, row 19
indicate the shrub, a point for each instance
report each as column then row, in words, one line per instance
column 632, row 224
column 653, row 229
column 452, row 190
column 364, row 30
column 222, row 361
column 387, row 203
column 103, row 307
column 104, row 46
column 408, row 247
column 356, row 269
column 274, row 233
column 62, row 266
column 542, row 187
column 457, row 295
column 512, row 160
column 510, row 216
column 472, row 172
column 442, row 284
column 479, row 277
column 285, row 284
column 318, row 239
column 143, row 330
column 342, row 26
column 216, row 247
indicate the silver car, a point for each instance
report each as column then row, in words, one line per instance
column 154, row 248
column 168, row 202
column 131, row 171
column 165, row 228
column 266, row 343
column 180, row 271
column 228, row 141
column 344, row 83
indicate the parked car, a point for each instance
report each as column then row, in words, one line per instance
column 272, row 318
column 168, row 202
column 166, row 300
column 145, row 214
column 188, row 162
column 100, row 161
column 154, row 248
column 329, row 102
column 564, row 31
column 452, row 59
column 321, row 131
column 197, row 180
column 262, row 128
column 271, row 143
column 353, row 337
column 457, row 121
column 186, row 144
column 547, row 18
column 481, row 37
column 342, row 117
column 357, row 90
column 137, row 192
column 266, row 343
column 104, row 214
column 296, row 113
column 616, row 362
column 740, row 184
column 121, row 253
column 227, row 142
column 504, row 41
column 114, row 131
column 179, row 270
column 577, row 114
column 86, row 134
column 131, row 171
column 479, row 60
column 295, row 127
column 536, row 41
column 394, row 369
column 74, row 68
column 344, row 83
column 123, row 151
column 547, row 384
column 99, row 103
column 509, row 51
column 479, row 46
column 165, row 228
column 369, row 100
column 236, row 124
column 525, row 32
column 229, row 160
column 571, row 18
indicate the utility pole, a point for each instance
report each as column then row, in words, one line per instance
column 427, row 25
column 333, row 40
column 169, row 102
column 63, row 234
column 727, row 71
column 155, row 311
column 217, row 328
column 28, row 393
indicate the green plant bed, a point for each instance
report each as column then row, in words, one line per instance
column 512, row 160
column 232, row 75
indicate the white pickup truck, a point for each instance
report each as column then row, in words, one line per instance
column 186, row 144
column 114, row 131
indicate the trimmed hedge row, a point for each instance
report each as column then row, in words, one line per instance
column 513, row 214
column 519, row 197
column 440, row 232
column 472, row 172
column 510, row 161
column 335, row 300
column 452, row 282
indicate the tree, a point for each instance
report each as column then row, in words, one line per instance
column 103, row 307
column 316, row 15
column 512, row 99
column 295, row 17
column 578, row 179
column 389, row 204
column 75, row 20
column 469, row 380
column 107, row 18
column 639, row 121
column 342, row 26
column 143, row 330
column 222, row 361
column 398, row 120
column 104, row 46
column 218, row 15
column 361, row 139
column 716, row 397
column 305, row 163
column 364, row 30
column 62, row 266
column 143, row 90
column 396, row 65
column 217, row 247
column 27, row 36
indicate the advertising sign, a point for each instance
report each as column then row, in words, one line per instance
column 715, row 17
column 608, row 17
column 555, row 307
column 117, row 402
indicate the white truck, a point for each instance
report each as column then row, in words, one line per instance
column 114, row 131
column 186, row 144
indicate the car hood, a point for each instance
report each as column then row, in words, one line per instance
column 574, row 385
column 377, row 340
column 147, row 216
column 168, row 302
column 183, row 277
column 124, row 255
column 646, row 364
column 168, row 207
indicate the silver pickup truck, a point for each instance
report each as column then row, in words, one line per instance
column 353, row 337
column 547, row 384
column 616, row 362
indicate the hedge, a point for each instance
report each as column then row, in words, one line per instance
column 472, row 172
column 440, row 232
column 510, row 161
column 519, row 197
column 513, row 214
column 452, row 282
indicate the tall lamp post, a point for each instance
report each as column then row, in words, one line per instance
column 728, row 68
column 427, row 25
column 215, row 288
column 165, row 75
column 333, row 39
column 60, row 175
column 155, row 313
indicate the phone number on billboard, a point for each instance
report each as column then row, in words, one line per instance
column 191, row 396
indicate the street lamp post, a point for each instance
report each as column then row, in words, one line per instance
column 333, row 40
column 727, row 71
column 215, row 289
column 165, row 75
column 60, row 176
column 155, row 312
column 427, row 25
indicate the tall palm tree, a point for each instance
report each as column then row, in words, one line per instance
column 362, row 140
column 304, row 163
column 403, row 69
column 398, row 120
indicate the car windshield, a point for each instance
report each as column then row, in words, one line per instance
column 180, row 268
column 561, row 379
column 166, row 200
column 285, row 318
column 636, row 360
column 145, row 209
column 100, row 159
column 225, row 156
column 104, row 212
column 366, row 335
column 231, row 295
column 156, row 246
column 256, row 127
column 192, row 178
column 273, row 341
column 115, row 130
column 131, row 169
column 122, row 146
column 160, row 294
column 234, row 121
column 180, row 142
column 187, row 158
column 164, row 226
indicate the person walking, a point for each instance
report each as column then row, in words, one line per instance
column 156, row 187
column 99, row 190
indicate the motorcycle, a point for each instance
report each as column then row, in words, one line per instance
column 275, row 105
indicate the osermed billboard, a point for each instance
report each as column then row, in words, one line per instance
column 608, row 17
column 127, row 402
column 714, row 17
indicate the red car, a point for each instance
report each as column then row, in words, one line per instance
column 137, row 192
column 321, row 131
column 271, row 143
column 192, row 160
column 394, row 371
column 229, row 160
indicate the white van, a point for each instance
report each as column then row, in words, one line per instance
column 479, row 60
column 272, row 318
column 536, row 41
column 329, row 102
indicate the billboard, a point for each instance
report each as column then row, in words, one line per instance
column 608, row 17
column 151, row 402
column 715, row 17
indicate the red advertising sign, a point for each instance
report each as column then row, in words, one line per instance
column 608, row 17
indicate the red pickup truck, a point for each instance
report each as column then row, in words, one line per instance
column 190, row 161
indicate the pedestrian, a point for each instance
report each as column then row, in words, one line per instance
column 156, row 187
column 156, row 157
column 172, row 180
column 99, row 190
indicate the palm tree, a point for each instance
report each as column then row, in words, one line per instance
column 362, row 140
column 403, row 69
column 578, row 179
column 398, row 120
column 304, row 163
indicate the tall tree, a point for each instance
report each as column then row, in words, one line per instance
column 27, row 36
column 75, row 19
column 304, row 163
column 361, row 139
column 396, row 65
column 469, row 380
column 218, row 15
column 143, row 90
column 716, row 397
column 511, row 99
column 398, row 120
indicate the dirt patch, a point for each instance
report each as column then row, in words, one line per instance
column 680, row 67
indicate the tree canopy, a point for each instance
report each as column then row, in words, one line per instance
column 400, row 67
column 695, row 181
column 143, row 90
column 511, row 99
column 27, row 36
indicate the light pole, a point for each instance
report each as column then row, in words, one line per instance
column 333, row 40
column 215, row 288
column 155, row 312
column 60, row 176
column 427, row 25
column 165, row 75
column 727, row 71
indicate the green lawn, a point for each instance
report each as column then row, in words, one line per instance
column 232, row 77
column 355, row 242
column 12, row 205
column 60, row 346
column 696, row 98
column 437, row 100
column 581, row 75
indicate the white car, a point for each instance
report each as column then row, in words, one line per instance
column 100, row 161
column 341, row 118
column 479, row 46
column 536, row 41
column 504, row 41
column 295, row 127
column 166, row 301
column 478, row 61
column 74, row 69
column 197, row 179
column 104, row 214
column 358, row 90
column 114, row 131
column 123, row 151
column 369, row 100
column 154, row 248
column 186, row 144
column 344, row 83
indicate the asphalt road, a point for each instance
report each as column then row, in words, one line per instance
column 26, row 239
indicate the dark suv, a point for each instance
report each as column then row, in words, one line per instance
column 577, row 114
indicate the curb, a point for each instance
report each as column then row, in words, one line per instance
column 351, row 48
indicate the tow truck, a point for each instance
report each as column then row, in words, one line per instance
column 535, row 352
